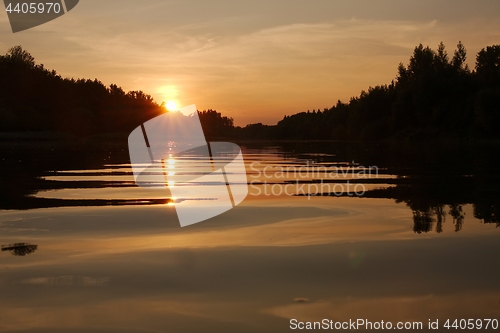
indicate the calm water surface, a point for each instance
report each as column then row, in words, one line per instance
column 420, row 242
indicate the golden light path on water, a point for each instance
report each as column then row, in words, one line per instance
column 252, row 269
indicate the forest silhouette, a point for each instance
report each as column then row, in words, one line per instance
column 33, row 98
column 432, row 97
column 435, row 96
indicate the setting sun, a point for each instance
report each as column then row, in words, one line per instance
column 171, row 106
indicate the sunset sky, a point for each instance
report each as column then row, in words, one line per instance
column 255, row 61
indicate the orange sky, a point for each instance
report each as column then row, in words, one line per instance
column 254, row 61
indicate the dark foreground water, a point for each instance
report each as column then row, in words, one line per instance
column 331, row 231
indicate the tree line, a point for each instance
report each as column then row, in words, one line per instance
column 33, row 98
column 434, row 96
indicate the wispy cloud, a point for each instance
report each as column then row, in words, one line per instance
column 256, row 74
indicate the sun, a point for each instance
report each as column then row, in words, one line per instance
column 171, row 106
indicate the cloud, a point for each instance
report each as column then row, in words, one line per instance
column 70, row 280
column 253, row 74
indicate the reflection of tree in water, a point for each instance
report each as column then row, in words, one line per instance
column 487, row 212
column 424, row 216
column 24, row 167
column 440, row 218
column 424, row 219
column 440, row 180
column 20, row 249
column 458, row 215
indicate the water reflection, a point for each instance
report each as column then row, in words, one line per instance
column 434, row 181
column 430, row 205
column 20, row 249
column 68, row 281
column 488, row 212
column 256, row 266
column 424, row 220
